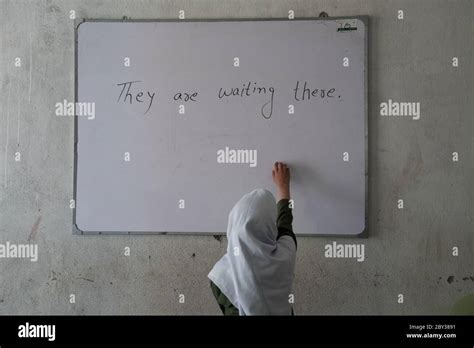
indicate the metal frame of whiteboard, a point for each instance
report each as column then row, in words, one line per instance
column 364, row 19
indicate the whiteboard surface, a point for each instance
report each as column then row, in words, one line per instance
column 173, row 156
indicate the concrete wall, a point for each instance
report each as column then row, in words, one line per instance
column 408, row 251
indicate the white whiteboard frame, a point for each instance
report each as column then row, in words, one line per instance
column 364, row 19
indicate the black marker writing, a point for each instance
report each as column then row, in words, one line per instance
column 248, row 90
column 306, row 93
column 185, row 96
column 138, row 97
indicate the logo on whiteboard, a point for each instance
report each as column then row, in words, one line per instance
column 346, row 27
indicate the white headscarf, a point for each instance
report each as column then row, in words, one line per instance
column 256, row 273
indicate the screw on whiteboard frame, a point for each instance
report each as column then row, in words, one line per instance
column 125, row 18
column 323, row 15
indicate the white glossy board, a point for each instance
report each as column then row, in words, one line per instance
column 147, row 163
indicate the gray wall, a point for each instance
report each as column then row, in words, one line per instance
column 408, row 251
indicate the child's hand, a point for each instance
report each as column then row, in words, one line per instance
column 281, row 178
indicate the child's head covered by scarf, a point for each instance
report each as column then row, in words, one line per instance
column 256, row 273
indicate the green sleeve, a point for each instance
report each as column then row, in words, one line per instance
column 225, row 305
column 285, row 220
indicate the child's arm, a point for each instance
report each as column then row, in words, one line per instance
column 281, row 177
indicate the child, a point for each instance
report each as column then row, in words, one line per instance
column 254, row 277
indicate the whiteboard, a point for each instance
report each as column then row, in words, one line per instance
column 191, row 115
